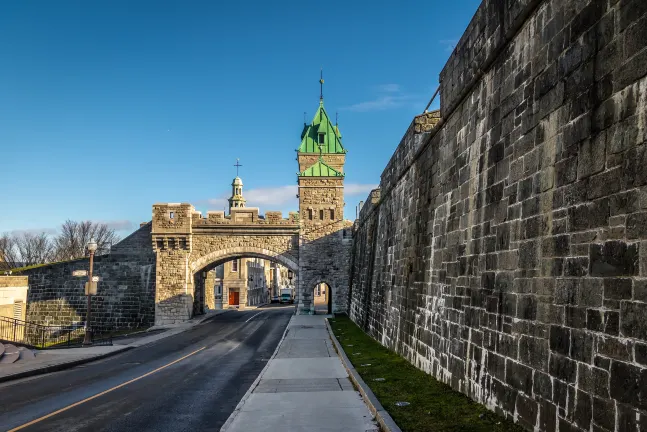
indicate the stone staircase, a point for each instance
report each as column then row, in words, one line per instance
column 12, row 354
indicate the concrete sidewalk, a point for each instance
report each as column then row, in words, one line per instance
column 304, row 387
column 53, row 360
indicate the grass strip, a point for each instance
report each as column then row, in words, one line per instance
column 434, row 406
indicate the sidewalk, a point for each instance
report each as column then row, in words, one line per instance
column 304, row 387
column 52, row 360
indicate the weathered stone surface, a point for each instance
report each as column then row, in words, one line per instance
column 524, row 207
column 125, row 294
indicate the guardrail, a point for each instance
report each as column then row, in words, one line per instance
column 46, row 336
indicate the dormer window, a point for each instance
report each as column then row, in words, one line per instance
column 321, row 138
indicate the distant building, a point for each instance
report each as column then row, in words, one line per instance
column 244, row 281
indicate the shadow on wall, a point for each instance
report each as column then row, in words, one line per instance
column 126, row 291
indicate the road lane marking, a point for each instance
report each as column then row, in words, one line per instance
column 38, row 420
column 250, row 318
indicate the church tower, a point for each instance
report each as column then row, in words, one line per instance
column 236, row 200
column 322, row 253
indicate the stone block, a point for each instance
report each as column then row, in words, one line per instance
column 591, row 156
column 613, row 258
column 632, row 319
column 627, row 383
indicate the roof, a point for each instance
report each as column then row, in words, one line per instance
column 321, row 124
column 320, row 169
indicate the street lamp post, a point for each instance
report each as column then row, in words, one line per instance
column 92, row 248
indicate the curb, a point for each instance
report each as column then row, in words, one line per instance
column 384, row 419
column 61, row 366
column 234, row 414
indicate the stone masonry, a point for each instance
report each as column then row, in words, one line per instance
column 505, row 252
column 324, row 251
column 126, row 291
column 187, row 243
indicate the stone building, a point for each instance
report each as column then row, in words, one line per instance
column 13, row 296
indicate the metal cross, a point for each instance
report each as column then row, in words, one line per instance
column 237, row 165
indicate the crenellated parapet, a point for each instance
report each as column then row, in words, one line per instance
column 245, row 216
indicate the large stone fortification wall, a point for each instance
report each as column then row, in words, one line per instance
column 126, row 292
column 507, row 253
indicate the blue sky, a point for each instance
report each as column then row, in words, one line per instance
column 107, row 107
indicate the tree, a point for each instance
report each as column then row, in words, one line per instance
column 24, row 249
column 34, row 248
column 74, row 236
column 9, row 256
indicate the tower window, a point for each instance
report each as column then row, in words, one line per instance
column 321, row 138
column 171, row 215
column 332, row 214
column 310, row 214
column 321, row 213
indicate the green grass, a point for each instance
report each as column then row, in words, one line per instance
column 434, row 406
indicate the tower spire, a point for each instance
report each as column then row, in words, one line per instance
column 321, row 82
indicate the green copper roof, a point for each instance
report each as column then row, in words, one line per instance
column 320, row 169
column 321, row 124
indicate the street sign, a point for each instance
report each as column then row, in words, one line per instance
column 92, row 290
column 95, row 278
column 80, row 273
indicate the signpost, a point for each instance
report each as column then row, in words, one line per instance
column 92, row 288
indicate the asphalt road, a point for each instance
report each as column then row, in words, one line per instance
column 195, row 380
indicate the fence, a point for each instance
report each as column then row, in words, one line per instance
column 43, row 337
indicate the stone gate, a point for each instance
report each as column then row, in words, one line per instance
column 314, row 242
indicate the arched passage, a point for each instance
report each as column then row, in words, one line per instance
column 216, row 257
column 322, row 298
column 245, row 292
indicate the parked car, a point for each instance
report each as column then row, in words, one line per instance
column 286, row 296
column 276, row 299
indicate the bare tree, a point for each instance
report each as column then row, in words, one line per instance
column 74, row 236
column 33, row 248
column 9, row 255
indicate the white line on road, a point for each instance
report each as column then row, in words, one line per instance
column 250, row 318
column 103, row 392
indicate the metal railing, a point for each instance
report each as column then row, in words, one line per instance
column 46, row 336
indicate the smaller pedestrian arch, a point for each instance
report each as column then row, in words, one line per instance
column 322, row 295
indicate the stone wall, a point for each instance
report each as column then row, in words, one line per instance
column 126, row 291
column 507, row 252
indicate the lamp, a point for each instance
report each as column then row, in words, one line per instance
column 92, row 248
